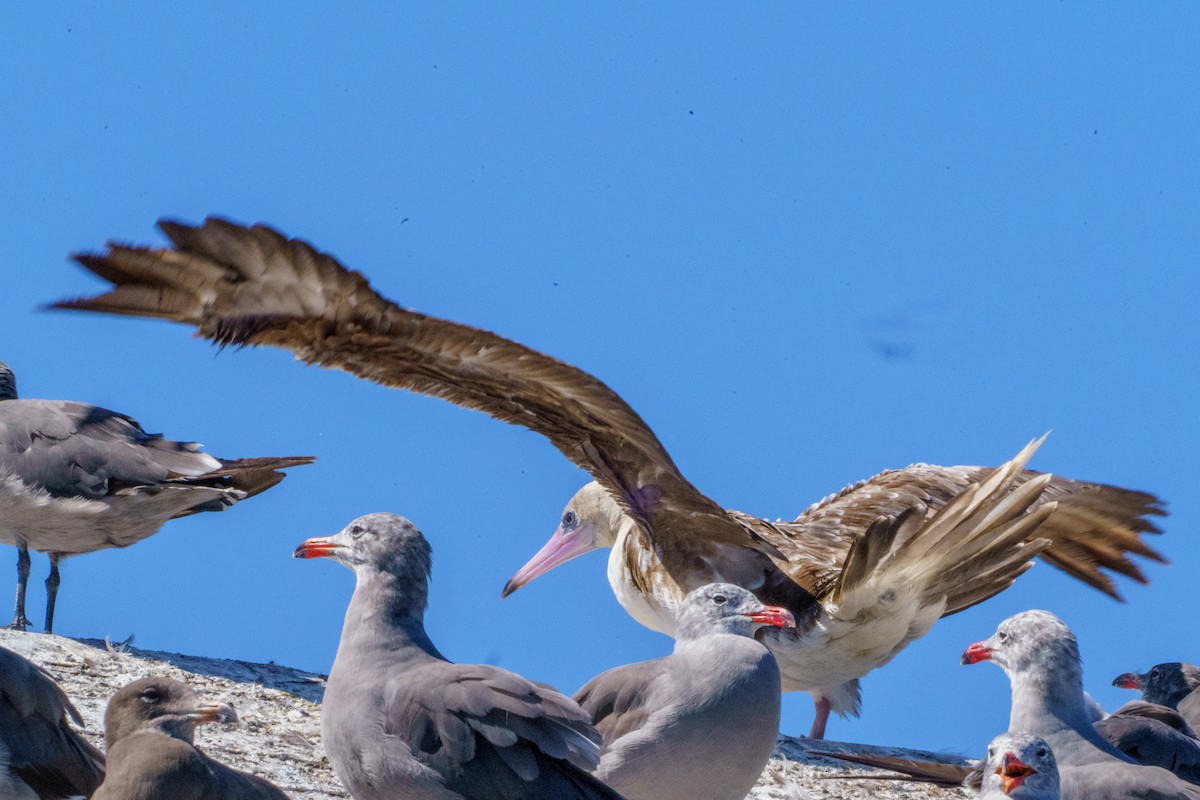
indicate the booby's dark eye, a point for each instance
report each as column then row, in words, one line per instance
column 569, row 520
column 720, row 599
column 357, row 531
column 150, row 695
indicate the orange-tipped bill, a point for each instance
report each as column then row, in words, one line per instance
column 1013, row 772
column 774, row 616
column 319, row 547
column 213, row 712
column 976, row 653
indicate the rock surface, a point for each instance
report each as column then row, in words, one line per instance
column 279, row 731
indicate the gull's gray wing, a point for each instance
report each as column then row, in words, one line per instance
column 492, row 734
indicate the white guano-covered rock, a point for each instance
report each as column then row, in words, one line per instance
column 278, row 735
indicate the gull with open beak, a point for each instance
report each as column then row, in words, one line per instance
column 1039, row 654
column 1022, row 766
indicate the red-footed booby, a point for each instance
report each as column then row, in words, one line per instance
column 76, row 478
column 252, row 286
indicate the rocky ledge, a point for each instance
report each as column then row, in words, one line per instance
column 278, row 734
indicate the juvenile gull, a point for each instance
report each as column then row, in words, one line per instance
column 242, row 286
column 76, row 478
column 400, row 721
column 1175, row 684
column 149, row 728
column 41, row 756
column 1039, row 654
column 699, row 724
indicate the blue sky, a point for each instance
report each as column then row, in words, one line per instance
column 806, row 243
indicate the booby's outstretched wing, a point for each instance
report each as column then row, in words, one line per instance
column 252, row 286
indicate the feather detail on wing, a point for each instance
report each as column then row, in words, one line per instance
column 252, row 286
column 495, row 734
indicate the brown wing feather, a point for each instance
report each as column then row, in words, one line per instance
column 252, row 286
column 1092, row 529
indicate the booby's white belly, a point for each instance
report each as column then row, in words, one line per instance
column 836, row 650
column 840, row 646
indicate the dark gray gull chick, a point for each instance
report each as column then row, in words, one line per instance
column 699, row 724
column 400, row 721
column 41, row 756
column 1039, row 654
column 76, row 478
column 1021, row 766
column 149, row 729
column 1174, row 684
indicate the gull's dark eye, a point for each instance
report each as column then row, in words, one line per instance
column 150, row 695
column 569, row 520
column 1002, row 636
column 357, row 531
column 1041, row 752
column 720, row 599
column 1154, row 673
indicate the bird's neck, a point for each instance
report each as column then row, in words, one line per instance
column 1050, row 703
column 387, row 614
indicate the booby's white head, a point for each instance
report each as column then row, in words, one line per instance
column 590, row 521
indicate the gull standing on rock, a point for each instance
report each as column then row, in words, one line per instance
column 400, row 721
column 149, row 728
column 41, row 756
column 1039, row 654
column 252, row 286
column 76, row 478
column 701, row 723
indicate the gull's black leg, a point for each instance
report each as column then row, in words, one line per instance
column 20, row 622
column 52, row 581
